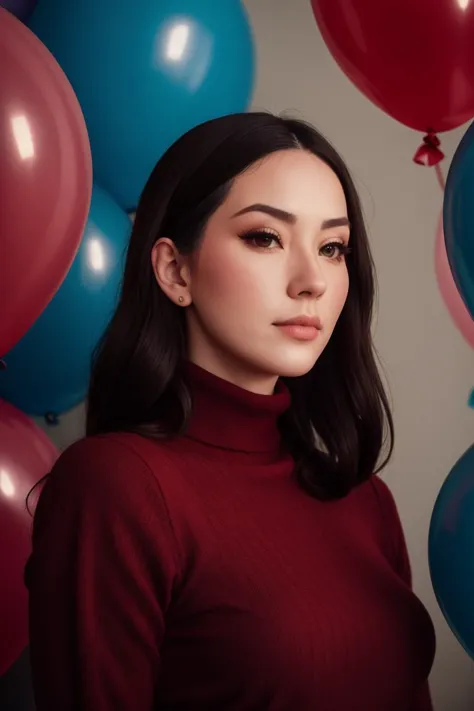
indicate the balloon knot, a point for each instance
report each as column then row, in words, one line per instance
column 429, row 152
column 52, row 418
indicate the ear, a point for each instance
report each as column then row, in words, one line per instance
column 171, row 271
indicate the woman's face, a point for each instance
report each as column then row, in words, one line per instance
column 272, row 252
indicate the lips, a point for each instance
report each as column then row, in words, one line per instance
column 301, row 328
column 307, row 321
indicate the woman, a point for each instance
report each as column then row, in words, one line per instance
column 219, row 540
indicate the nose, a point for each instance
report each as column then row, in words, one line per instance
column 307, row 278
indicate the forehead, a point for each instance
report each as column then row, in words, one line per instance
column 293, row 180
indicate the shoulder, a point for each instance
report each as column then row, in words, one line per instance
column 386, row 508
column 376, row 504
column 102, row 497
column 117, row 467
column 110, row 447
column 381, row 491
column 384, row 498
column 391, row 527
column 112, row 455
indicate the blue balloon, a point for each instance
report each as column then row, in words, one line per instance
column 145, row 73
column 458, row 217
column 451, row 550
column 48, row 370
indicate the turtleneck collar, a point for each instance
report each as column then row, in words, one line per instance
column 228, row 417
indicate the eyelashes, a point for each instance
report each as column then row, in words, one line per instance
column 262, row 236
column 342, row 250
column 263, row 239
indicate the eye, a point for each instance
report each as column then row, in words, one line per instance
column 335, row 250
column 262, row 239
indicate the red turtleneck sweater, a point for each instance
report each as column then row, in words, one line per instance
column 196, row 574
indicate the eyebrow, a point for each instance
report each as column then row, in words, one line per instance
column 289, row 217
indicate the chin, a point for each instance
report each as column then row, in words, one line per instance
column 295, row 370
column 294, row 365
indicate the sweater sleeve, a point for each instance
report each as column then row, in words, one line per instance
column 101, row 575
column 398, row 551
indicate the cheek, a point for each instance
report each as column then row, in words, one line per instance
column 339, row 294
column 225, row 277
column 344, row 288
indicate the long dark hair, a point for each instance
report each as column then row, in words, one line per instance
column 339, row 420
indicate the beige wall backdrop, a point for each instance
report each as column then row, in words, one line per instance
column 429, row 367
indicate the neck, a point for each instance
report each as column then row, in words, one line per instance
column 234, row 372
column 227, row 416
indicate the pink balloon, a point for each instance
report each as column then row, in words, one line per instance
column 26, row 455
column 45, row 178
column 448, row 289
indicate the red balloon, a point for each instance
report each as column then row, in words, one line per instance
column 412, row 58
column 26, row 455
column 45, row 178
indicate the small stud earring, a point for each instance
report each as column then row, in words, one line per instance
column 181, row 299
